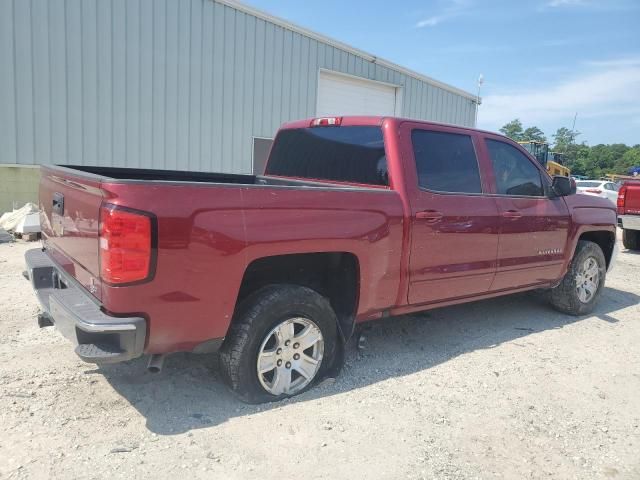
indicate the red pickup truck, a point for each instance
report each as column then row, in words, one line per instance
column 355, row 219
column 629, row 214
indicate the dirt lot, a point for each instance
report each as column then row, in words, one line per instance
column 504, row 388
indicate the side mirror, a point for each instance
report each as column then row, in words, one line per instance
column 563, row 186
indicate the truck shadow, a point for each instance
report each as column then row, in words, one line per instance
column 189, row 394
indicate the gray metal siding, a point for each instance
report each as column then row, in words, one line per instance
column 181, row 84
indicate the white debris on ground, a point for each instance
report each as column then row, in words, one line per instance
column 23, row 220
column 504, row 388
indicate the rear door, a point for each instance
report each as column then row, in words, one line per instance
column 454, row 225
column 533, row 227
column 611, row 190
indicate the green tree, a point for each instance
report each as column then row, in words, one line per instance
column 564, row 139
column 582, row 159
column 630, row 158
column 580, row 165
column 513, row 130
column 534, row 134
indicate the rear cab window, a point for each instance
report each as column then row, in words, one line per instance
column 351, row 154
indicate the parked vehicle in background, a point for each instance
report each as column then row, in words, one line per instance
column 553, row 162
column 355, row 219
column 629, row 213
column 599, row 188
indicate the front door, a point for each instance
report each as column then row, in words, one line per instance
column 454, row 225
column 533, row 228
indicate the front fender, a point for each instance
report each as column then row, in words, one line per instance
column 587, row 223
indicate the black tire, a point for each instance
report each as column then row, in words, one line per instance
column 565, row 297
column 258, row 314
column 631, row 239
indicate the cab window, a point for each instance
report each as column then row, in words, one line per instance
column 515, row 174
column 446, row 162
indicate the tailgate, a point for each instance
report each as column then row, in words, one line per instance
column 70, row 209
column 632, row 200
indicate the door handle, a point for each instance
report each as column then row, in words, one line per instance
column 431, row 216
column 512, row 214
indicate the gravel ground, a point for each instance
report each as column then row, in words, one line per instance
column 504, row 388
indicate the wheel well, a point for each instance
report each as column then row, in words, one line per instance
column 606, row 241
column 334, row 275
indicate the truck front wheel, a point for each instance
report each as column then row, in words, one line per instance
column 580, row 288
column 631, row 239
column 281, row 341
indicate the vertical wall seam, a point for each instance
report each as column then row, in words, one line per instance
column 50, row 66
column 33, row 84
column 253, row 96
column 264, row 82
column 109, row 92
column 81, row 89
column 166, row 75
column 15, row 81
column 213, row 66
column 224, row 47
column 189, row 74
column 98, row 84
column 153, row 83
column 66, row 76
column 125, row 96
column 202, row 80
column 140, row 113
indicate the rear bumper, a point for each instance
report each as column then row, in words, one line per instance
column 630, row 222
column 98, row 337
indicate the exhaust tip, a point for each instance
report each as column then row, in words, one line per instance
column 156, row 361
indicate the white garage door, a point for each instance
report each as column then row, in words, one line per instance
column 345, row 95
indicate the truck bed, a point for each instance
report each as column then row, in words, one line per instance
column 210, row 227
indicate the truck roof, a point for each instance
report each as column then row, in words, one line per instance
column 376, row 120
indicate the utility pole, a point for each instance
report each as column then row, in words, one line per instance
column 573, row 128
column 480, row 82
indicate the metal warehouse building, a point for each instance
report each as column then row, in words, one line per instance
column 179, row 84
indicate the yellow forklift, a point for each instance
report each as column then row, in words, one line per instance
column 552, row 161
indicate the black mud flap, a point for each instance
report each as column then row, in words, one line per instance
column 346, row 327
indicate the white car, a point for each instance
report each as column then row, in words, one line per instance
column 599, row 188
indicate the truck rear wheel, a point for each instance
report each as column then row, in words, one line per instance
column 581, row 287
column 281, row 342
column 631, row 239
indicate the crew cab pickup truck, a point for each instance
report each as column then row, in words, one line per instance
column 629, row 214
column 354, row 219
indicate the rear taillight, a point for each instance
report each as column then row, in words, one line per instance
column 326, row 122
column 621, row 199
column 126, row 245
column 593, row 190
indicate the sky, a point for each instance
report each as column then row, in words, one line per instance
column 542, row 61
